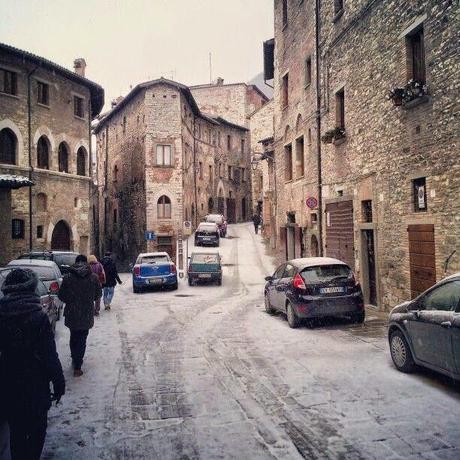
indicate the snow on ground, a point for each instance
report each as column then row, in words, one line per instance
column 204, row 372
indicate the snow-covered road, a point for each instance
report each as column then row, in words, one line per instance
column 204, row 372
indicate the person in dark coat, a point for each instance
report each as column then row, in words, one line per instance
column 111, row 279
column 79, row 290
column 256, row 220
column 28, row 363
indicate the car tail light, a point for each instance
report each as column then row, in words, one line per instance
column 298, row 282
column 54, row 287
column 137, row 271
column 173, row 268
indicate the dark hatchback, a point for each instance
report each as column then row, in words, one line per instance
column 63, row 259
column 205, row 267
column 314, row 287
column 207, row 234
column 46, row 300
column 426, row 330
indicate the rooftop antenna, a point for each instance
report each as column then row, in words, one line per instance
column 210, row 68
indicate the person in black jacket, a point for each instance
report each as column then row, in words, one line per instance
column 256, row 219
column 111, row 279
column 79, row 290
column 28, row 363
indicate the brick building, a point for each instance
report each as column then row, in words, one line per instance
column 45, row 116
column 389, row 167
column 163, row 161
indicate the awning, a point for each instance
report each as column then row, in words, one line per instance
column 10, row 181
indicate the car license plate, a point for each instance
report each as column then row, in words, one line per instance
column 156, row 281
column 332, row 290
column 204, row 275
column 206, row 239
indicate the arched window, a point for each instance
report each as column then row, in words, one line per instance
column 164, row 207
column 63, row 157
column 8, row 146
column 43, row 156
column 41, row 202
column 81, row 161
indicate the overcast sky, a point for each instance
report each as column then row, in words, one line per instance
column 125, row 42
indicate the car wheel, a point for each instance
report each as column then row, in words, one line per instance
column 400, row 353
column 219, row 282
column 292, row 318
column 136, row 290
column 268, row 306
column 358, row 318
column 175, row 286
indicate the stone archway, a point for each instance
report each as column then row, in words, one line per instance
column 61, row 237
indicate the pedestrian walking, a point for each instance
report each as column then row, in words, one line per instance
column 256, row 220
column 98, row 270
column 79, row 290
column 28, row 363
column 111, row 279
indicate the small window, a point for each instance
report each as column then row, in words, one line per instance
column 242, row 145
column 308, row 71
column 220, row 170
column 75, row 202
column 218, row 138
column 285, row 13
column 366, row 206
column 229, row 142
column 17, row 229
column 299, row 157
column 8, row 82
column 78, row 109
column 164, row 207
column 415, row 49
column 285, row 90
column 243, row 174
column 288, row 162
column 115, row 216
column 124, row 125
column 164, row 157
column 115, row 173
column 230, row 176
column 43, row 93
column 338, row 6
column 200, row 169
column 340, row 108
column 40, row 231
column 210, row 174
column 419, row 194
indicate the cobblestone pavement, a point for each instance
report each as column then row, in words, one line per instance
column 204, row 372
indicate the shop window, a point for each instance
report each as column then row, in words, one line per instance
column 17, row 229
column 419, row 194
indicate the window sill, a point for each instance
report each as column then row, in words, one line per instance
column 288, row 181
column 79, row 118
column 416, row 102
column 14, row 96
column 43, row 105
column 338, row 15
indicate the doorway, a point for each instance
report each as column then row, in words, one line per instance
column 60, row 239
column 369, row 267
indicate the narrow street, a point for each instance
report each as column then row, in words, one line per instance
column 205, row 372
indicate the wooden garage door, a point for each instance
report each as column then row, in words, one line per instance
column 421, row 258
column 339, row 232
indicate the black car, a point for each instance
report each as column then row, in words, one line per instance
column 314, row 287
column 46, row 299
column 63, row 259
column 207, row 234
column 426, row 330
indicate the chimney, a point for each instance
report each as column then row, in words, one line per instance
column 79, row 66
column 220, row 81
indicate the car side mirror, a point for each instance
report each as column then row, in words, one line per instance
column 269, row 278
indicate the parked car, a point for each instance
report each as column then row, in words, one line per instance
column 63, row 259
column 154, row 269
column 46, row 299
column 314, row 287
column 48, row 272
column 207, row 234
column 426, row 331
column 220, row 221
column 205, row 267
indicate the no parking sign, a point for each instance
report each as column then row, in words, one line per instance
column 311, row 202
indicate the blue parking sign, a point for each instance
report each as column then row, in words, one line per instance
column 150, row 235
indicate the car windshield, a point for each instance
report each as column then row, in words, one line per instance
column 44, row 273
column 205, row 259
column 65, row 259
column 216, row 218
column 152, row 259
column 207, row 228
column 326, row 273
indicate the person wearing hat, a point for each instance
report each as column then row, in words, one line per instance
column 79, row 290
column 28, row 363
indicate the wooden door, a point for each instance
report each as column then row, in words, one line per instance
column 231, row 211
column 422, row 261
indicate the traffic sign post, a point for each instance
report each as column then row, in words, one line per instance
column 150, row 235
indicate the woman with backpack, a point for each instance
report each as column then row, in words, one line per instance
column 97, row 269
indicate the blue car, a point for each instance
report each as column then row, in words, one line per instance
column 154, row 269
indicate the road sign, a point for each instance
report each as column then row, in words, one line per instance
column 150, row 235
column 187, row 228
column 311, row 202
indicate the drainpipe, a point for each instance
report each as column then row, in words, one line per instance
column 318, row 127
column 195, row 220
column 105, row 192
column 29, row 135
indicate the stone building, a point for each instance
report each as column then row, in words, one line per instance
column 162, row 161
column 390, row 169
column 45, row 116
